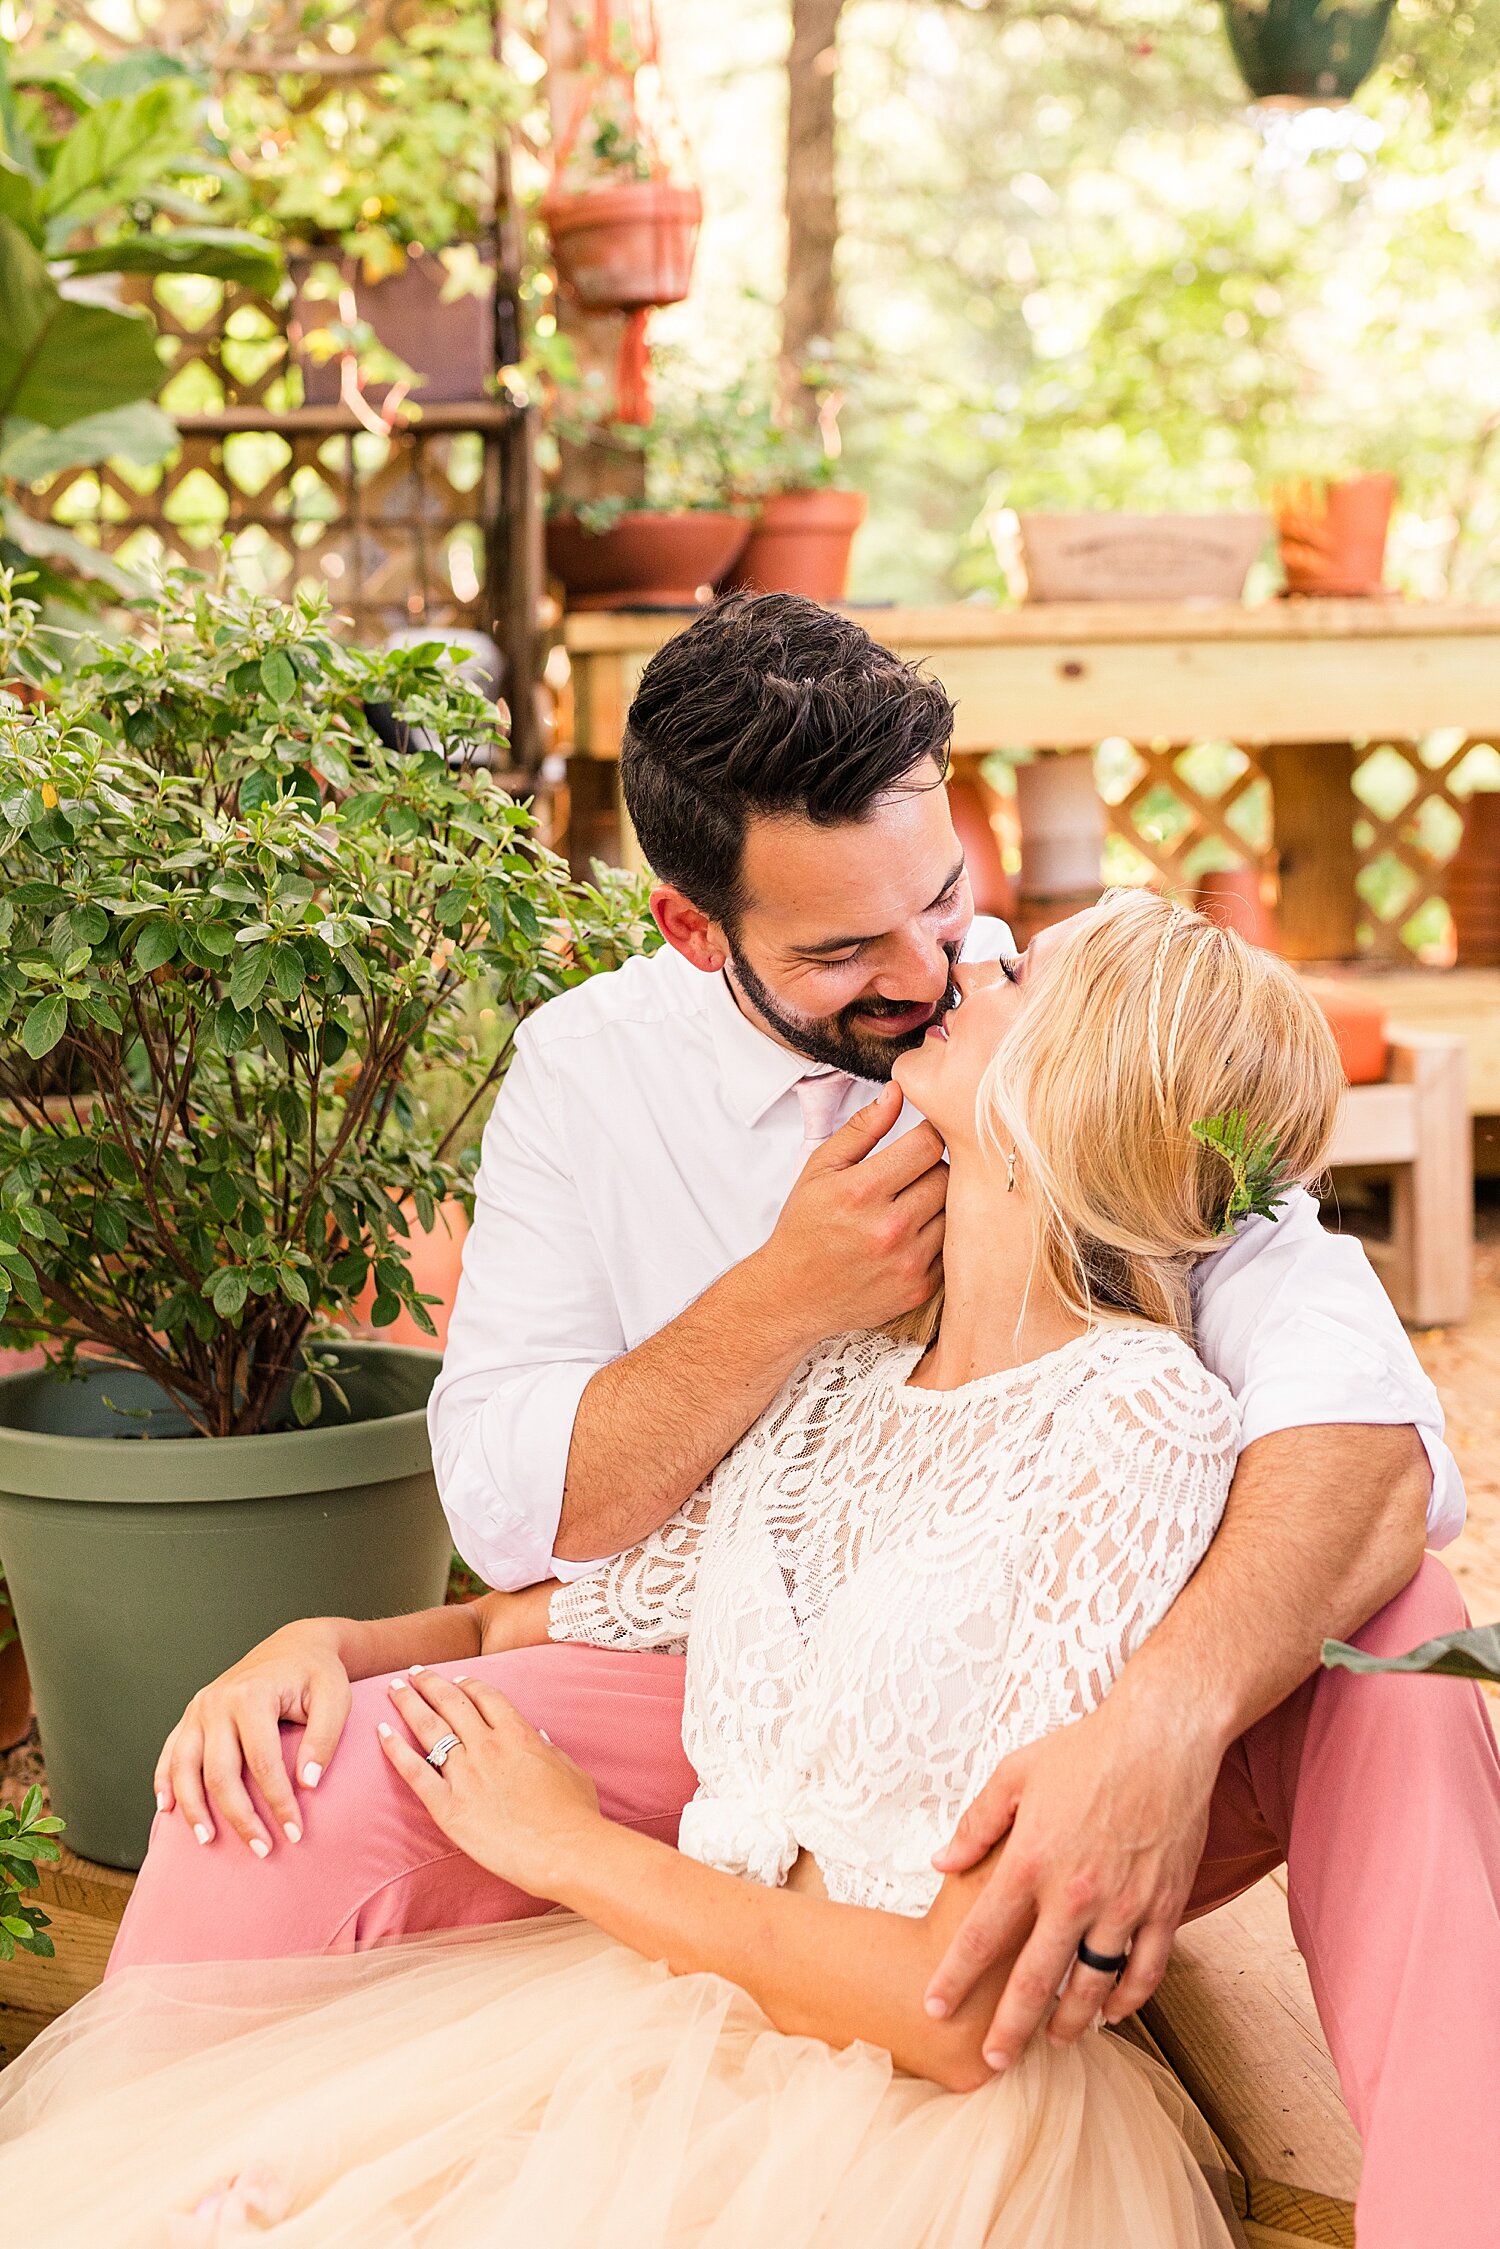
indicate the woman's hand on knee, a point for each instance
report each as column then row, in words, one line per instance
column 231, row 1733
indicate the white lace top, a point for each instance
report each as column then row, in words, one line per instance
column 884, row 1590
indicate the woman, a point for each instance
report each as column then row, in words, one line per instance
column 927, row 1552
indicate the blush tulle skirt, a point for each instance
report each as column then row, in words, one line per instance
column 537, row 2086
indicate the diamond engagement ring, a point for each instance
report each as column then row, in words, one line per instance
column 437, row 1756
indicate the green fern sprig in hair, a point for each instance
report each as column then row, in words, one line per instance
column 1258, row 1177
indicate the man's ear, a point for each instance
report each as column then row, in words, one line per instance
column 688, row 930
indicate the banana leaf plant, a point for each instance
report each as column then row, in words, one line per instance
column 1306, row 50
column 96, row 164
column 1472, row 1654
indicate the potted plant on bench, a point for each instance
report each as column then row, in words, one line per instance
column 254, row 923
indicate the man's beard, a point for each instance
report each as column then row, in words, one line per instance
column 835, row 1040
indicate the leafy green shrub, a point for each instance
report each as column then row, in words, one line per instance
column 251, row 924
column 25, row 1837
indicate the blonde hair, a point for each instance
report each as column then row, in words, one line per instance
column 1143, row 1021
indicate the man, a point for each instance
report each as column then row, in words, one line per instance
column 697, row 1171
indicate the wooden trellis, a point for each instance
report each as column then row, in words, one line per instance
column 1175, row 809
column 434, row 522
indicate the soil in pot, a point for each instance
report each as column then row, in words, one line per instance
column 627, row 245
column 452, row 346
column 800, row 543
column 141, row 1566
column 646, row 559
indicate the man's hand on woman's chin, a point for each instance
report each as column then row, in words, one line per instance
column 1104, row 1824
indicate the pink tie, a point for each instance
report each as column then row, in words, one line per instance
column 821, row 1099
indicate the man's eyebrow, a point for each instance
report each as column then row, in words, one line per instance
column 838, row 944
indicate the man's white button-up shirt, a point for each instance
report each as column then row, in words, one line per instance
column 645, row 1140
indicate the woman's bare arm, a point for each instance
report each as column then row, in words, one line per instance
column 839, row 1972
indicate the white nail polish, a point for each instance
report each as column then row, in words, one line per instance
column 312, row 1773
column 462, row 1680
column 414, row 1668
column 161, row 1799
column 547, row 1738
column 384, row 1730
column 204, row 1834
column 291, row 1831
column 400, row 1683
column 260, row 1846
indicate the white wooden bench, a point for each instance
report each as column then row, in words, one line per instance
column 1415, row 1129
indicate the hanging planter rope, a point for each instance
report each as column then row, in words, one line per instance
column 624, row 231
column 1305, row 50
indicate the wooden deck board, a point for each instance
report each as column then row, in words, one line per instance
column 1235, row 2018
column 86, row 1903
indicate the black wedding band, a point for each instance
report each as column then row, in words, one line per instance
column 1105, row 1963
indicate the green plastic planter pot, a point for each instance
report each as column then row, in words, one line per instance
column 141, row 1566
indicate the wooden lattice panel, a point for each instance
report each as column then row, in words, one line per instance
column 1174, row 811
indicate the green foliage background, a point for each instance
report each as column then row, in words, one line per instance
column 1077, row 272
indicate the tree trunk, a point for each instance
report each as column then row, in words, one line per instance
column 810, row 309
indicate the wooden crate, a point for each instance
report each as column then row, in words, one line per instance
column 86, row 1903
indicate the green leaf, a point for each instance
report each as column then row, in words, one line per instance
column 224, row 1195
column 384, row 1310
column 18, row 199
column 287, row 969
column 223, row 253
column 1257, row 1178
column 155, row 946
column 1471, row 1654
column 277, row 676
column 49, row 542
column 61, row 360
column 44, row 1026
column 227, row 1291
column 116, row 150
column 140, row 433
column 307, row 1398
column 250, row 973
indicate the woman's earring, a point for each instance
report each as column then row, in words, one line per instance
column 1010, row 1170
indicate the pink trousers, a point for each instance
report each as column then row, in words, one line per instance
column 1381, row 1794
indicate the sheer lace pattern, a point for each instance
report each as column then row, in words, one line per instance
column 890, row 1589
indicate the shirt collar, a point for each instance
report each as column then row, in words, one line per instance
column 754, row 1069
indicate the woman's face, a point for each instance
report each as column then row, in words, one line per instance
column 941, row 1077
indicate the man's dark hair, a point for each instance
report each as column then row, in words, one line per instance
column 767, row 703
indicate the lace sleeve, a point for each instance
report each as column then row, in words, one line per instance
column 642, row 1598
column 1136, row 1476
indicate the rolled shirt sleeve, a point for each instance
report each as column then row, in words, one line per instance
column 1296, row 1321
column 533, row 1321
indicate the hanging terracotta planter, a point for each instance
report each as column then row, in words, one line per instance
column 800, row 542
column 646, row 559
column 450, row 344
column 1305, row 50
column 1333, row 535
column 627, row 245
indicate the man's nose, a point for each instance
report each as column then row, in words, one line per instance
column 916, row 968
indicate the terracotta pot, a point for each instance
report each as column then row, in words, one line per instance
column 15, row 1687
column 1105, row 556
column 994, row 892
column 800, row 543
column 1471, row 883
column 451, row 345
column 645, row 560
column 625, row 246
column 1333, row 535
column 1296, row 51
column 1359, row 1023
column 436, row 1261
column 1235, row 897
